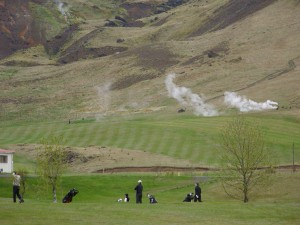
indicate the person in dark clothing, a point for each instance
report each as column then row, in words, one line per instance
column 197, row 196
column 16, row 187
column 139, row 192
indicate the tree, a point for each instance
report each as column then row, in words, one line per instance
column 51, row 162
column 243, row 155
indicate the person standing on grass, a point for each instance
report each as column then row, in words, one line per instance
column 139, row 192
column 16, row 187
column 197, row 196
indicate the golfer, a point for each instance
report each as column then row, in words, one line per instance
column 139, row 192
column 197, row 196
column 16, row 187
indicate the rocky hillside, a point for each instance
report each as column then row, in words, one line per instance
column 28, row 23
column 16, row 27
column 73, row 59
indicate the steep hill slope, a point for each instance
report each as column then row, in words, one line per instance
column 113, row 57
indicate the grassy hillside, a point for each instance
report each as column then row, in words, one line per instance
column 253, row 56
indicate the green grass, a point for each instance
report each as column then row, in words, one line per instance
column 160, row 214
column 96, row 202
column 184, row 137
column 7, row 73
column 47, row 18
column 96, row 9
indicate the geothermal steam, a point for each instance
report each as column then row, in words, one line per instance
column 247, row 105
column 104, row 96
column 61, row 8
column 186, row 98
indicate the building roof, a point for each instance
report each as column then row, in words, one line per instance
column 6, row 151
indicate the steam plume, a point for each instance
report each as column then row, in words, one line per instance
column 61, row 8
column 188, row 99
column 247, row 105
column 104, row 96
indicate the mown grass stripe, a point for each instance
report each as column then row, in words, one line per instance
column 130, row 137
column 179, row 137
column 150, row 140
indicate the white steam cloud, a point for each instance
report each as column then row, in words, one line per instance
column 104, row 96
column 247, row 105
column 61, row 8
column 186, row 98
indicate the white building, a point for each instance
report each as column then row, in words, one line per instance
column 6, row 161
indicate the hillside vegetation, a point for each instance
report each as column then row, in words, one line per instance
column 90, row 69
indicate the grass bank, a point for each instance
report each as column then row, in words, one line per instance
column 97, row 203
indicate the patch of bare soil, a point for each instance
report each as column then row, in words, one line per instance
column 128, row 81
column 20, row 63
column 78, row 50
column 157, row 57
column 86, row 53
column 99, row 159
column 159, row 169
column 208, row 56
column 139, row 10
column 230, row 13
column 154, row 169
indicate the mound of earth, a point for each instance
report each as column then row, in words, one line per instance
column 107, row 159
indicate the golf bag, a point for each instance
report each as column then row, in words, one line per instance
column 126, row 199
column 152, row 199
column 69, row 197
column 189, row 197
